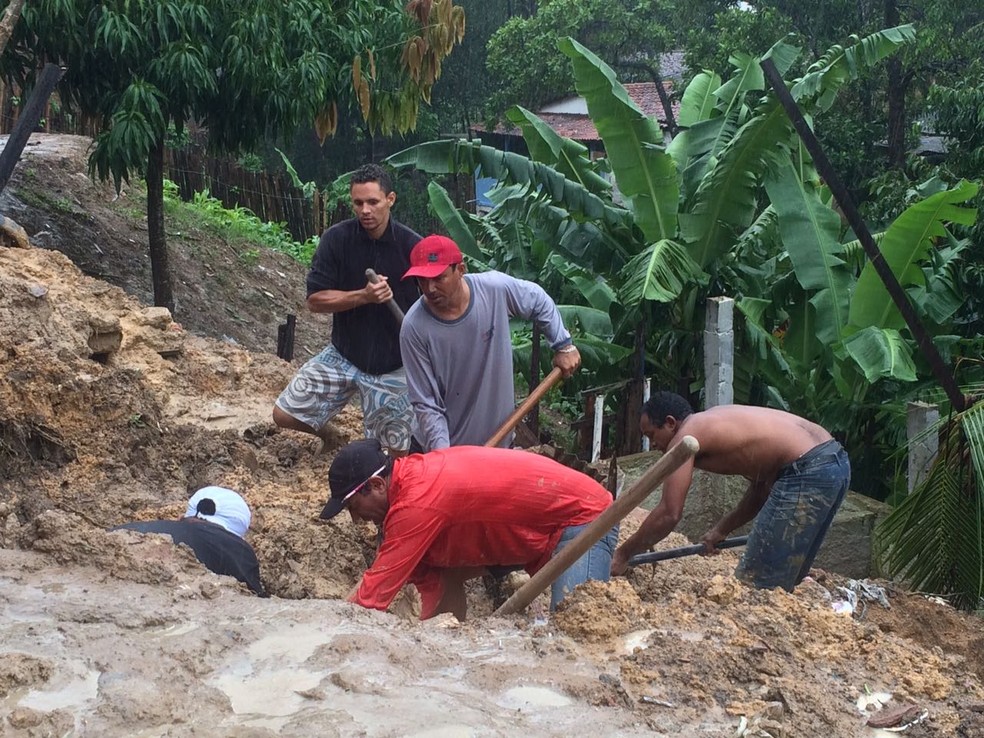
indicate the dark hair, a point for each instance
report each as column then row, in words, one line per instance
column 206, row 506
column 372, row 173
column 663, row 404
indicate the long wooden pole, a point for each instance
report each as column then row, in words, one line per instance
column 28, row 120
column 622, row 506
column 520, row 412
column 925, row 342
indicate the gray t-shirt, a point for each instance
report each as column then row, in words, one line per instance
column 460, row 372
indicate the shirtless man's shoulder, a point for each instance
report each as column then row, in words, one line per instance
column 755, row 442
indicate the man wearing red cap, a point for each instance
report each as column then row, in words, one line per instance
column 448, row 514
column 364, row 354
column 457, row 347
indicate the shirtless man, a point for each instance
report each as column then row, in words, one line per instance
column 798, row 476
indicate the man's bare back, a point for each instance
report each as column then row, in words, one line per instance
column 755, row 442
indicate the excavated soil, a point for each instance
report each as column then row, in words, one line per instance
column 110, row 411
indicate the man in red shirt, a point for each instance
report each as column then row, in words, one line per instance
column 448, row 514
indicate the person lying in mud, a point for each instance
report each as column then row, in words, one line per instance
column 798, row 476
column 213, row 526
column 448, row 514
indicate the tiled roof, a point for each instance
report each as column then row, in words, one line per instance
column 579, row 127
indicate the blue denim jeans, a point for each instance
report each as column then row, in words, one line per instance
column 595, row 563
column 792, row 523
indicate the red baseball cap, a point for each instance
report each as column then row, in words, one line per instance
column 431, row 256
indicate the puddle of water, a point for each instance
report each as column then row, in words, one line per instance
column 82, row 688
column 686, row 635
column 272, row 693
column 637, row 639
column 519, row 698
column 445, row 731
column 295, row 645
column 180, row 629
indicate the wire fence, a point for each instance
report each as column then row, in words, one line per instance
column 271, row 197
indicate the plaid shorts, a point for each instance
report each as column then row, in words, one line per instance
column 328, row 381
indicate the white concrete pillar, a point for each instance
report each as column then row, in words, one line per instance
column 599, row 424
column 924, row 441
column 719, row 352
column 647, row 388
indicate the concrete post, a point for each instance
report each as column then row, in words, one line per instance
column 646, row 390
column 719, row 352
column 599, row 424
column 924, row 442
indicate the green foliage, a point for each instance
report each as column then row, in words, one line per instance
column 244, row 72
column 732, row 206
column 934, row 539
column 238, row 224
column 959, row 113
column 464, row 90
column 709, row 42
column 527, row 68
column 250, row 162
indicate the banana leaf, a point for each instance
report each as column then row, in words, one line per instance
column 810, row 231
column 800, row 341
column 881, row 352
column 659, row 273
column 839, row 64
column 906, row 243
column 645, row 173
column 699, row 98
column 592, row 286
column 450, row 156
column 569, row 157
column 691, row 150
column 726, row 201
column 585, row 320
column 453, row 221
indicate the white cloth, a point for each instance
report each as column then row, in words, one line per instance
column 231, row 510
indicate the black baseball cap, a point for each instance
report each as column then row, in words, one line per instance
column 352, row 467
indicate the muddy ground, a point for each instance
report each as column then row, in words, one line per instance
column 110, row 411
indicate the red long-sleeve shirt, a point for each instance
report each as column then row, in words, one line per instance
column 473, row 506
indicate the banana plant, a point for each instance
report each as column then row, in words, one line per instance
column 679, row 211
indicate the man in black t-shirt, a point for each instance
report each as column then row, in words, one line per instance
column 364, row 354
column 213, row 526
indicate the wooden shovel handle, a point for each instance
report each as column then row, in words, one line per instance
column 520, row 412
column 669, row 462
column 391, row 303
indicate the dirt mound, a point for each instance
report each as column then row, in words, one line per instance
column 220, row 288
column 110, row 411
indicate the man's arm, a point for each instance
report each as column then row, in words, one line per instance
column 661, row 521
column 338, row 301
column 406, row 539
column 327, row 272
column 423, row 389
column 529, row 300
column 746, row 509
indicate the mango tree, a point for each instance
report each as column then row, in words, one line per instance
column 243, row 71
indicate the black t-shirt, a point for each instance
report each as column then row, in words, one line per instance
column 369, row 335
column 219, row 550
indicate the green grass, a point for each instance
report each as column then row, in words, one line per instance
column 205, row 223
column 44, row 201
column 238, row 226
